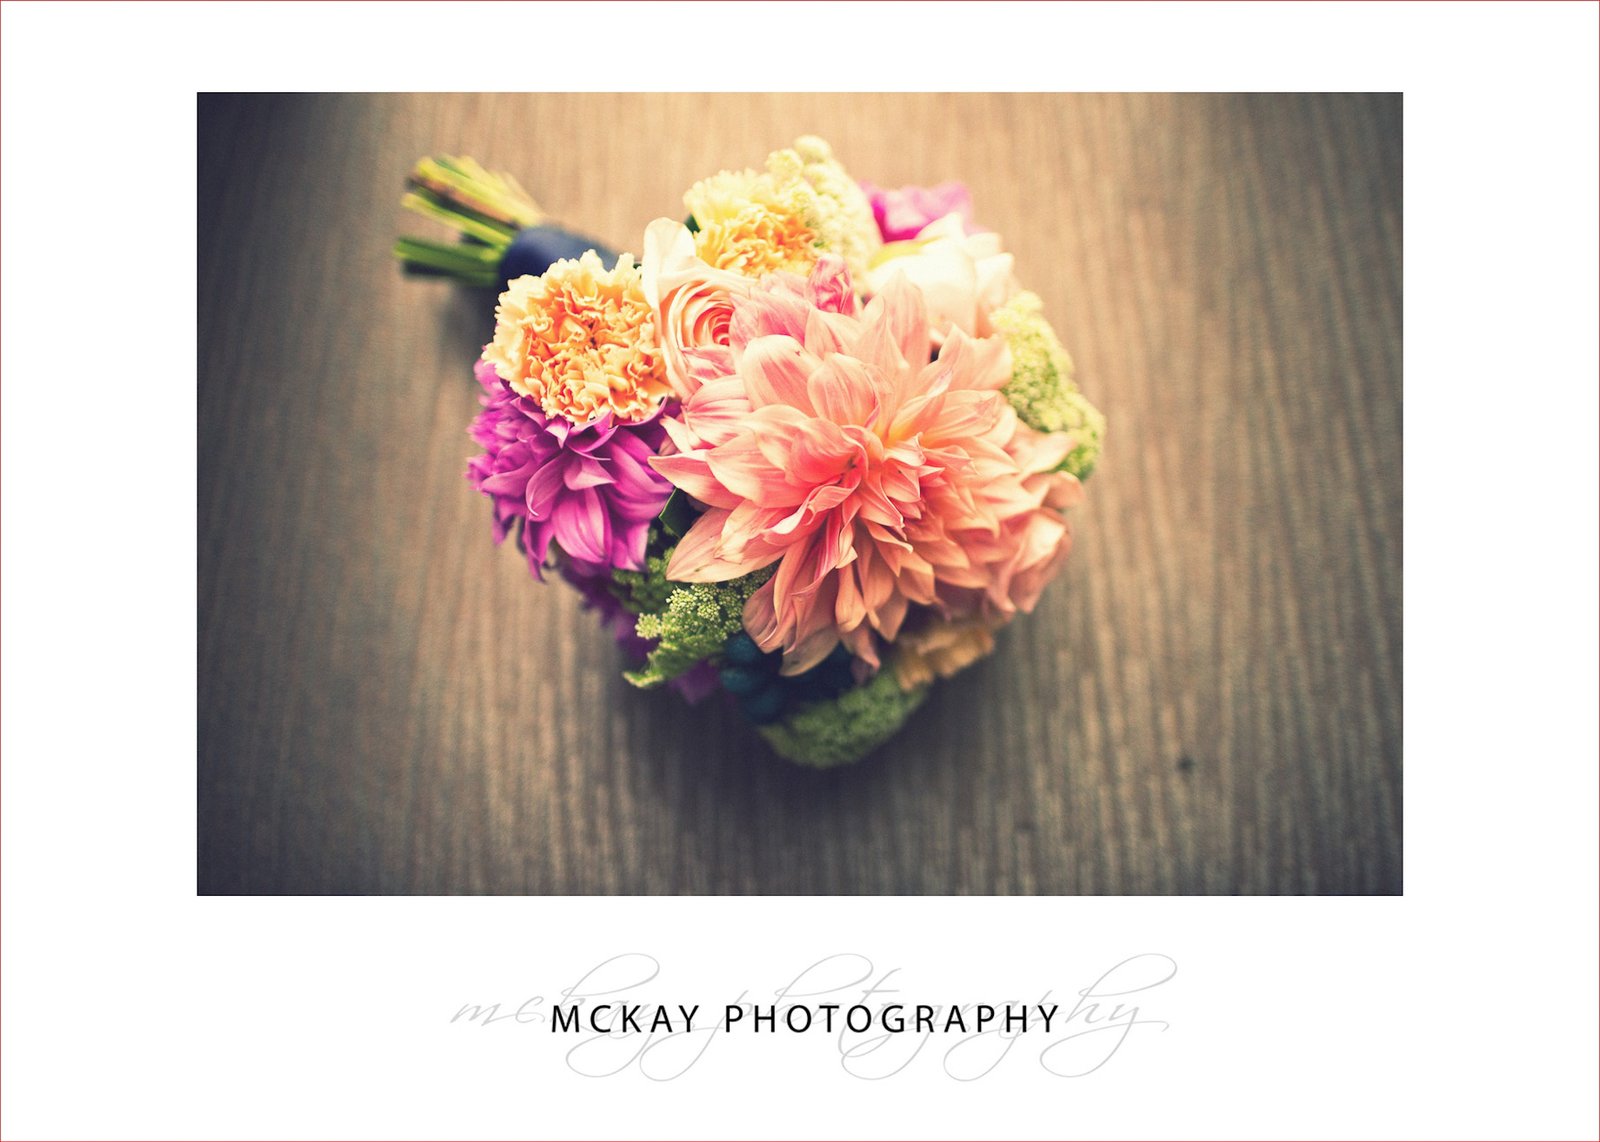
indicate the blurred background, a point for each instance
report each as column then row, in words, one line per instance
column 1207, row 700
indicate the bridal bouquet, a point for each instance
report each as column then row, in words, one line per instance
column 813, row 449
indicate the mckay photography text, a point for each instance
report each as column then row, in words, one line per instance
column 618, row 1017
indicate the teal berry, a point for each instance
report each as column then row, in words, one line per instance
column 765, row 705
column 829, row 678
column 742, row 681
column 741, row 650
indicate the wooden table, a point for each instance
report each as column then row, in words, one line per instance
column 1208, row 700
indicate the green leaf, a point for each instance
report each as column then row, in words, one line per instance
column 678, row 516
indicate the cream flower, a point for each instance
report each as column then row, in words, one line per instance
column 963, row 277
column 580, row 340
column 843, row 216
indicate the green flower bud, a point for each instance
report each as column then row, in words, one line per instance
column 1042, row 389
column 848, row 727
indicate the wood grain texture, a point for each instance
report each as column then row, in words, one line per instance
column 1208, row 700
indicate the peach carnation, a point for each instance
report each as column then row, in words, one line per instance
column 752, row 223
column 580, row 340
column 874, row 479
column 803, row 205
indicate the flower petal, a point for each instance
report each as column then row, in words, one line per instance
column 691, row 473
column 775, row 371
column 586, row 472
column 698, row 558
column 840, row 389
column 581, row 526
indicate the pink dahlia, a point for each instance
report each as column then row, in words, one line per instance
column 874, row 478
column 588, row 489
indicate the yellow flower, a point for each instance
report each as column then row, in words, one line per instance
column 940, row 650
column 580, row 340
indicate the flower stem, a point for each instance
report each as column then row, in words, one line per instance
column 471, row 265
column 484, row 208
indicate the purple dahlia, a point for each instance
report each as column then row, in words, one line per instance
column 589, row 488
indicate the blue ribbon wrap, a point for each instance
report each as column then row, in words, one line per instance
column 536, row 249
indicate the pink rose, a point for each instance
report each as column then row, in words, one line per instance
column 693, row 304
column 902, row 213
